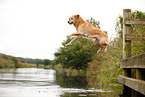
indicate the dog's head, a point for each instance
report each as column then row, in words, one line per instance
column 73, row 19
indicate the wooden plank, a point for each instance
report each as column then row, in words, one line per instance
column 135, row 37
column 137, row 61
column 134, row 21
column 137, row 85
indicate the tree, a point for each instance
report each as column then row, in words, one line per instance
column 47, row 62
column 16, row 61
column 77, row 55
column 93, row 22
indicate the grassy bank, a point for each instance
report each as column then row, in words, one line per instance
column 106, row 70
column 7, row 61
column 69, row 71
column 26, row 65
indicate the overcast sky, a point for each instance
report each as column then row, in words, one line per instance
column 36, row 28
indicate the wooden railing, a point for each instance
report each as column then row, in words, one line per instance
column 137, row 83
column 133, row 78
column 137, row 61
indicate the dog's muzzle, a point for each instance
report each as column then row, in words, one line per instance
column 70, row 23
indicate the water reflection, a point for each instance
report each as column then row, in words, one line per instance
column 70, row 81
column 32, row 82
column 78, row 86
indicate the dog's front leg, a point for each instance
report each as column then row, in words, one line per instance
column 75, row 34
column 73, row 40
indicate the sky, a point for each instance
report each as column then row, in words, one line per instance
column 37, row 28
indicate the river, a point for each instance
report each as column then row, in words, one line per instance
column 33, row 82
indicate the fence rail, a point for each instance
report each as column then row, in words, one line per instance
column 137, row 61
column 136, row 84
column 135, row 37
column 134, row 21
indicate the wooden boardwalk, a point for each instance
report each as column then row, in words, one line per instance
column 133, row 78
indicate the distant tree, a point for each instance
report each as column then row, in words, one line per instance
column 30, row 60
column 16, row 61
column 47, row 62
column 93, row 22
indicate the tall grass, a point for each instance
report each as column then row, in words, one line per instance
column 26, row 65
column 106, row 66
column 69, row 71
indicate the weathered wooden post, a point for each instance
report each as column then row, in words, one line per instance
column 126, row 48
column 126, row 30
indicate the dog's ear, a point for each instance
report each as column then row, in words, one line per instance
column 77, row 16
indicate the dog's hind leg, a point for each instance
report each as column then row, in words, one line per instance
column 96, row 43
column 99, row 50
column 106, row 48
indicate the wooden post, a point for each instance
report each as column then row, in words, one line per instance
column 126, row 30
column 126, row 49
column 139, row 74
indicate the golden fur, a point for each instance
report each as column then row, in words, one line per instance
column 86, row 29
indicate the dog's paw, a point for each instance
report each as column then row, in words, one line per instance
column 68, row 36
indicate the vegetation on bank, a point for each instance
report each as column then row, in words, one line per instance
column 81, row 55
column 69, row 71
column 7, row 61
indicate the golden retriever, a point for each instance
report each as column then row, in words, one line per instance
column 86, row 29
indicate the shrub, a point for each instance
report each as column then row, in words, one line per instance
column 77, row 55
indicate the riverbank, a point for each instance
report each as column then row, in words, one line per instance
column 93, row 78
column 7, row 61
column 25, row 65
column 69, row 71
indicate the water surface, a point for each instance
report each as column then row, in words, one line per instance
column 33, row 82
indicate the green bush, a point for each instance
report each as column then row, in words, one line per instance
column 77, row 55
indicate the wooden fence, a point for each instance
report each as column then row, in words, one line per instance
column 133, row 86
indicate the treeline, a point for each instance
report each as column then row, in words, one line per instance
column 104, row 66
column 7, row 61
column 35, row 61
